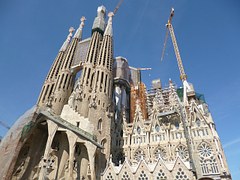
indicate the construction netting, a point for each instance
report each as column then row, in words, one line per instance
column 200, row 97
column 13, row 141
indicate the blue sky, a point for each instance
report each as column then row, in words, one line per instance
column 31, row 33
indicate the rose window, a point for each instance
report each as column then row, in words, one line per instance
column 205, row 150
column 182, row 152
column 160, row 152
column 139, row 155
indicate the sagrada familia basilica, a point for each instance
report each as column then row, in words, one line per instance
column 106, row 125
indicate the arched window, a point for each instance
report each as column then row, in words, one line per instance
column 208, row 161
column 198, row 122
column 157, row 128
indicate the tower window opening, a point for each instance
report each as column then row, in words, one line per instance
column 99, row 127
column 97, row 78
column 91, row 82
column 61, row 80
column 58, row 67
column 101, row 82
column 70, row 81
column 44, row 96
column 66, row 78
column 84, row 72
column 51, row 89
column 89, row 71
column 105, row 86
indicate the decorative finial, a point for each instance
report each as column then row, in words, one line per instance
column 83, row 19
column 71, row 30
column 110, row 14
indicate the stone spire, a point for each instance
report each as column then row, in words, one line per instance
column 109, row 30
column 87, row 79
column 105, row 57
column 65, row 79
column 78, row 33
column 51, row 79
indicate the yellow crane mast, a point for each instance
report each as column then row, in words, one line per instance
column 169, row 26
column 187, row 89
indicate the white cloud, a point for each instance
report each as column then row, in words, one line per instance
column 233, row 142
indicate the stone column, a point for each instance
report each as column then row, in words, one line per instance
column 91, row 149
column 52, row 129
column 72, row 139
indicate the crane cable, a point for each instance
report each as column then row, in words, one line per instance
column 165, row 44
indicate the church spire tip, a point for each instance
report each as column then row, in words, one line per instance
column 78, row 33
column 65, row 44
column 109, row 30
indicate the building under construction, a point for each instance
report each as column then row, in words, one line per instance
column 107, row 125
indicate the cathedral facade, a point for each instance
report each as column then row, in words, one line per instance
column 106, row 125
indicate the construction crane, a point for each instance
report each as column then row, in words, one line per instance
column 186, row 87
column 183, row 76
column 139, row 72
column 4, row 125
column 169, row 26
column 117, row 7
